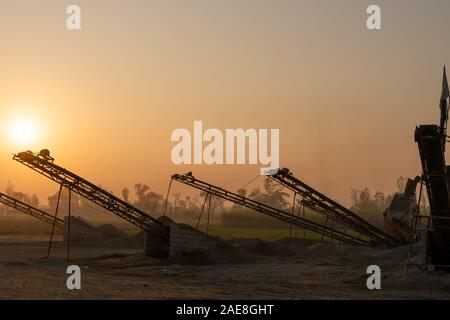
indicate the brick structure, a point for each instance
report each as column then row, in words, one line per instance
column 155, row 246
column 189, row 244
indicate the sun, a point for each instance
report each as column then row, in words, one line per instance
column 23, row 131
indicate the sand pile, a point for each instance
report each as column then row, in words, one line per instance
column 192, row 246
column 140, row 238
column 256, row 246
column 166, row 220
column 111, row 231
column 115, row 238
column 107, row 236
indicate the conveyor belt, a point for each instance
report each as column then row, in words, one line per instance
column 30, row 210
column 324, row 205
column 190, row 180
column 44, row 165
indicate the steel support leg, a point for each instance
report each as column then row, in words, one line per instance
column 209, row 214
column 54, row 222
column 201, row 212
column 68, row 225
column 293, row 213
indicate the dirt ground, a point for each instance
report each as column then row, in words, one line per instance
column 284, row 269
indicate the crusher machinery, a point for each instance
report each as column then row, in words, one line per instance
column 431, row 141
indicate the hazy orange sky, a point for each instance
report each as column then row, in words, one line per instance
column 105, row 99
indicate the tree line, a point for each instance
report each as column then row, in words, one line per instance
column 366, row 203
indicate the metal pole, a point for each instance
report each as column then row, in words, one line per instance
column 326, row 225
column 299, row 212
column 209, row 213
column 68, row 225
column 201, row 212
column 332, row 227
column 304, row 217
column 413, row 229
column 54, row 221
column 293, row 211
column 167, row 197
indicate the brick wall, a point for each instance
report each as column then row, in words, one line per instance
column 185, row 239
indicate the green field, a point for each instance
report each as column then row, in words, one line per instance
column 258, row 233
column 24, row 225
column 264, row 233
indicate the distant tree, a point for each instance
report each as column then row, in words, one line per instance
column 243, row 193
column 354, row 197
column 148, row 200
column 126, row 194
column 272, row 195
column 194, row 204
column 181, row 205
column 9, row 190
column 363, row 201
column 16, row 194
column 176, row 201
column 34, row 200
column 379, row 199
column 257, row 195
column 64, row 203
column 401, row 183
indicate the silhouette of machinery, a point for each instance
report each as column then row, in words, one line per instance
column 43, row 164
column 30, row 210
column 431, row 141
column 398, row 217
column 190, row 180
column 320, row 203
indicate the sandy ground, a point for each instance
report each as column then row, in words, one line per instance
column 284, row 269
